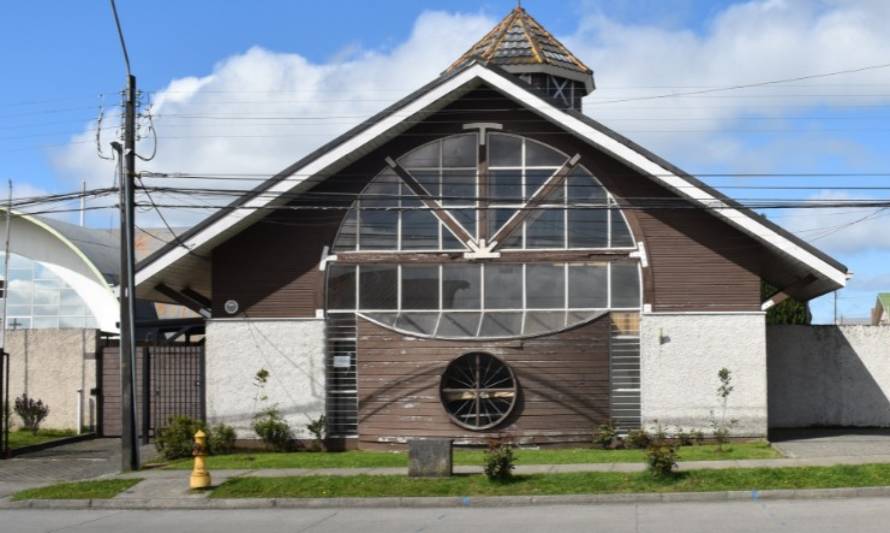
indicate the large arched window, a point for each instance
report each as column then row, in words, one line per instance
column 467, row 239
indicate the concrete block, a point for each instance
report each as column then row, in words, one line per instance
column 429, row 457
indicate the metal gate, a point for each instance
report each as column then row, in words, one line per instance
column 169, row 382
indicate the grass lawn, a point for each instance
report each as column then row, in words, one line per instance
column 20, row 438
column 359, row 459
column 81, row 490
column 540, row 484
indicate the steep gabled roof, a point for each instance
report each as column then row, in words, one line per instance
column 389, row 123
column 520, row 41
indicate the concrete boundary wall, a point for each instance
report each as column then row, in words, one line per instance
column 680, row 356
column 53, row 365
column 292, row 350
column 829, row 376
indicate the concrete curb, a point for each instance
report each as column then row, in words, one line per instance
column 431, row 502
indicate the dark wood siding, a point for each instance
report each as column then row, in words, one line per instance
column 697, row 261
column 563, row 379
column 271, row 269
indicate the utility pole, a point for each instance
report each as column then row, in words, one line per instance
column 127, row 173
column 127, row 161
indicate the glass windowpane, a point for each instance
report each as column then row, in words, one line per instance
column 378, row 287
column 387, row 319
column 348, row 231
column 341, row 286
column 423, row 157
column 503, row 286
column 583, row 188
column 460, row 286
column 535, row 178
column 537, row 322
column 420, row 286
column 460, row 151
column 588, row 287
column 625, row 285
column 545, row 286
column 621, row 236
column 378, row 230
column 588, row 228
column 545, row 229
column 420, row 230
column 458, row 187
column 501, row 325
column 538, row 155
column 504, row 150
column 458, row 325
column 423, row 323
column 505, row 186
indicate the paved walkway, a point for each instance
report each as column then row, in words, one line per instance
column 71, row 462
column 814, row 443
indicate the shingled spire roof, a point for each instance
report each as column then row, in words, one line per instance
column 519, row 44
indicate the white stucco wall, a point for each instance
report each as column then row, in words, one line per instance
column 291, row 350
column 829, row 376
column 680, row 355
column 53, row 365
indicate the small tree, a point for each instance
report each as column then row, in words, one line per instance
column 499, row 460
column 32, row 413
column 318, row 427
column 721, row 427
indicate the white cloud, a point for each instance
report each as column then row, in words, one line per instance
column 842, row 230
column 748, row 42
column 208, row 125
column 198, row 117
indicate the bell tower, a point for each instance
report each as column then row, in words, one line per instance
column 521, row 46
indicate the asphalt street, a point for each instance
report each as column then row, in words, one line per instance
column 862, row 515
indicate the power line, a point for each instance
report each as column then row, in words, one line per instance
column 748, row 85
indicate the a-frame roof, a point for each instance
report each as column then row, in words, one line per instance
column 178, row 260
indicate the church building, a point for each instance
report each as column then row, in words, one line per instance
column 484, row 258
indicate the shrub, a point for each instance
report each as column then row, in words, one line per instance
column 273, row 429
column 661, row 458
column 683, row 438
column 221, row 439
column 499, row 460
column 177, row 439
column 699, row 437
column 32, row 413
column 318, row 428
column 638, row 438
column 606, row 435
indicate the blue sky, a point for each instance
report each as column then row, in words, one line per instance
column 59, row 56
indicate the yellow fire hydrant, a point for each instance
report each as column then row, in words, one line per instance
column 200, row 478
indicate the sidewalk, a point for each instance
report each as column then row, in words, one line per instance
column 168, row 489
column 522, row 469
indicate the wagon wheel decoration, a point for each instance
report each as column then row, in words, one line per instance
column 478, row 391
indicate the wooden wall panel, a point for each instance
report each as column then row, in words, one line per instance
column 563, row 379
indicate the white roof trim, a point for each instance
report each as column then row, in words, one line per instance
column 600, row 139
